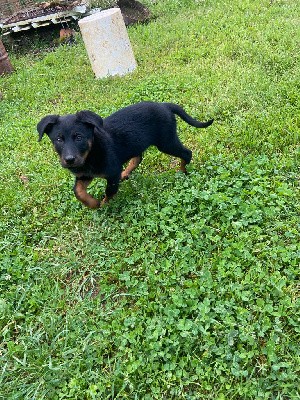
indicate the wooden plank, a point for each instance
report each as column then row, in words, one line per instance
column 45, row 19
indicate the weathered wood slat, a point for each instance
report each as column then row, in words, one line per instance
column 54, row 18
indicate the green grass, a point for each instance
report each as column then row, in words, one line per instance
column 182, row 287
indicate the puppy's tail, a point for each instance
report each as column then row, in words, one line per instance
column 176, row 109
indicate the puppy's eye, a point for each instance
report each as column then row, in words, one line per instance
column 59, row 139
column 78, row 137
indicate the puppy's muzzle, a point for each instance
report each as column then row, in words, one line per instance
column 69, row 160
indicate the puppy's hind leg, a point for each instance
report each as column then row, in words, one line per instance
column 133, row 164
column 185, row 159
column 177, row 150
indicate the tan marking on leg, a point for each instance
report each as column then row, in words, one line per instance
column 133, row 163
column 82, row 195
column 182, row 166
column 105, row 201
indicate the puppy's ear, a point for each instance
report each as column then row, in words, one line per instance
column 45, row 124
column 91, row 118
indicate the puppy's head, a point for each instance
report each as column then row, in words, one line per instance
column 72, row 135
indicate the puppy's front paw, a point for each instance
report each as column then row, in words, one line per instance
column 124, row 175
column 104, row 201
column 93, row 203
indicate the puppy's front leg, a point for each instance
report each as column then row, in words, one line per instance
column 82, row 195
column 111, row 189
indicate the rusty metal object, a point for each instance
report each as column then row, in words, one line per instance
column 5, row 64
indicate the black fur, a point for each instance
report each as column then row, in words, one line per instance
column 90, row 146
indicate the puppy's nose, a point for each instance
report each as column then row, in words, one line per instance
column 70, row 160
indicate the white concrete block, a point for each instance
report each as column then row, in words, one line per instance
column 107, row 43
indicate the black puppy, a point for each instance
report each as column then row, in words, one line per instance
column 90, row 146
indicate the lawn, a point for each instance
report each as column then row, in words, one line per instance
column 182, row 287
